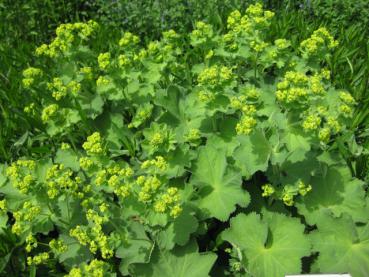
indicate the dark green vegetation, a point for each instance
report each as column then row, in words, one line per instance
column 179, row 157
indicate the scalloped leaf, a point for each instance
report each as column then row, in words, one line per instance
column 180, row 262
column 342, row 246
column 219, row 183
column 253, row 153
column 337, row 192
column 272, row 246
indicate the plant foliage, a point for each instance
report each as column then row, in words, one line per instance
column 213, row 152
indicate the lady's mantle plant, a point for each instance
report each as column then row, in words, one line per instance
column 201, row 152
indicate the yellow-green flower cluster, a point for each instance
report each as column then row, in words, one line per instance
column 333, row 124
column 206, row 96
column 312, row 122
column 293, row 87
column 59, row 90
column 30, row 74
column 159, row 137
column 2, row 205
column 230, row 41
column 254, row 19
column 59, row 179
column 324, row 135
column 20, row 173
column 38, row 259
column 193, row 135
column 87, row 72
column 24, row 217
column 49, row 111
column 240, row 103
column 325, row 120
column 215, row 76
column 122, row 187
column 30, row 109
column 347, row 98
column 303, row 188
column 66, row 34
column 31, row 243
column 149, row 186
column 330, row 127
column 100, row 177
column 102, row 81
column 319, row 41
column 346, row 108
column 268, row 190
column 288, row 199
column 247, row 122
column 123, row 60
column 316, row 85
column 80, row 234
column 96, row 268
column 170, row 36
column 169, row 201
column 64, row 146
column 202, row 33
column 86, row 163
column 291, row 191
column 93, row 236
column 233, row 20
column 93, row 144
column 104, row 60
column 116, row 177
column 74, row 87
column 246, row 125
column 128, row 39
column 158, row 164
column 153, row 47
column 259, row 46
column 251, row 92
column 282, row 44
column 297, row 87
column 58, row 246
column 140, row 56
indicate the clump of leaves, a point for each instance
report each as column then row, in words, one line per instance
column 196, row 148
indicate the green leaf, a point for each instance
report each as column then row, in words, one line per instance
column 92, row 105
column 67, row 157
column 13, row 197
column 179, row 231
column 337, row 192
column 219, row 183
column 137, row 250
column 116, row 133
column 75, row 254
column 180, row 262
column 253, row 153
column 178, row 160
column 272, row 246
column 229, row 144
column 297, row 143
column 67, row 213
column 342, row 247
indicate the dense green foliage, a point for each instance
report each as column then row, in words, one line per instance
column 341, row 13
column 232, row 146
